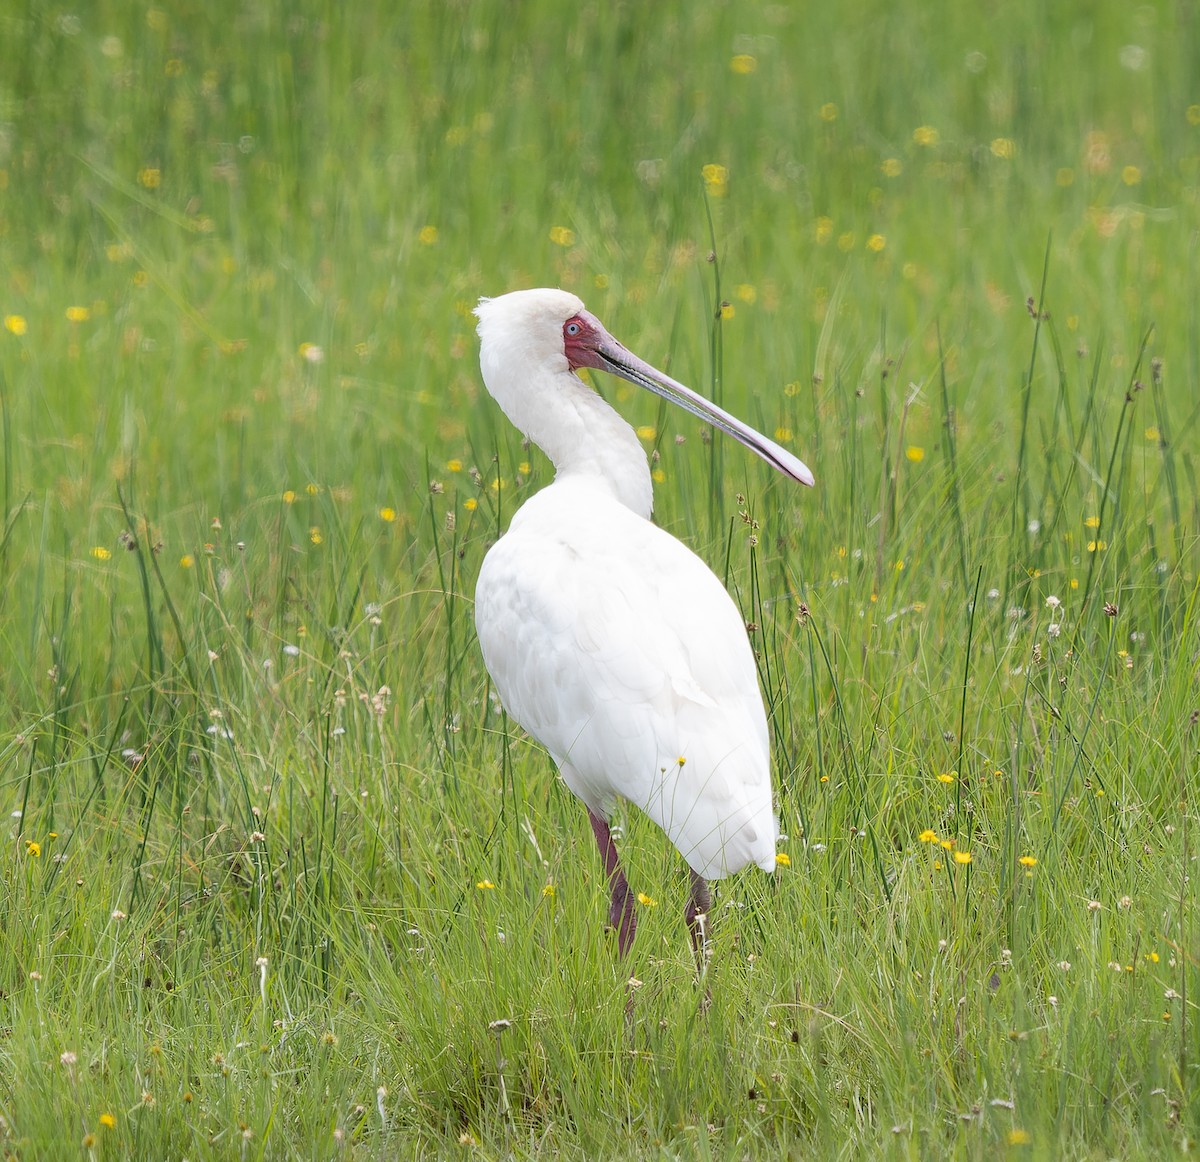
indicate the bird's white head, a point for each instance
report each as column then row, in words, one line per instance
column 531, row 338
column 525, row 329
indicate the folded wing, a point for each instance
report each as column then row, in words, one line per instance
column 621, row 652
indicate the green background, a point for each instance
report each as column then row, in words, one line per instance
column 250, row 470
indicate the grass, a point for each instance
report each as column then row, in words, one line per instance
column 276, row 863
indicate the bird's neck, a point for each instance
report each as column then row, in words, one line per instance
column 584, row 438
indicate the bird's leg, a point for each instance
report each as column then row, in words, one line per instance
column 620, row 913
column 696, row 914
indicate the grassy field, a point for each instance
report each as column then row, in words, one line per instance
column 274, row 862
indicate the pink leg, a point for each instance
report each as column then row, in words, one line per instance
column 620, row 913
column 696, row 915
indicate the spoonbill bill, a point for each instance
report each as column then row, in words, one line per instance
column 607, row 639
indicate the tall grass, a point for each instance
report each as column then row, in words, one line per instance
column 281, row 879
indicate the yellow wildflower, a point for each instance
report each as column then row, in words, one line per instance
column 915, row 453
column 108, row 1120
column 78, row 314
column 101, row 553
column 150, row 177
column 947, row 776
column 782, row 859
column 32, row 847
column 962, row 857
column 428, row 235
column 928, row 836
column 716, row 179
column 829, row 111
column 926, row 135
column 892, row 167
column 387, row 514
column 16, row 324
column 1028, row 861
column 485, row 885
column 647, row 901
column 743, row 64
column 876, row 242
column 1004, row 147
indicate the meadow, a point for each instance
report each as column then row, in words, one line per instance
column 280, row 880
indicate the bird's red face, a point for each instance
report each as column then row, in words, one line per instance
column 583, row 337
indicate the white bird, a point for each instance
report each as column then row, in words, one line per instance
column 607, row 639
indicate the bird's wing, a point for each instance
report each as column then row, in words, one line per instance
column 620, row 651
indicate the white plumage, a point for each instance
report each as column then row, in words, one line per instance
column 607, row 639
